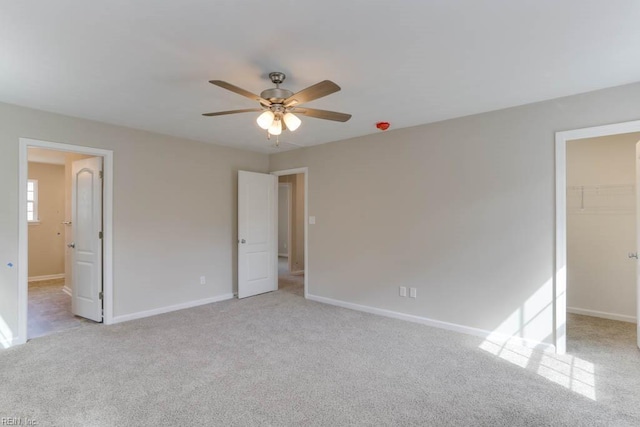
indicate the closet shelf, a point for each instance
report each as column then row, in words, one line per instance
column 601, row 199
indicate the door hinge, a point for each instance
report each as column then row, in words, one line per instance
column 101, row 295
column 99, row 234
column 101, row 174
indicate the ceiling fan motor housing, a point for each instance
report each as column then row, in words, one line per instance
column 276, row 95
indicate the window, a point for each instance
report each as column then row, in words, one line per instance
column 32, row 200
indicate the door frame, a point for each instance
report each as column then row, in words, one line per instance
column 23, row 236
column 560, row 267
column 289, row 188
column 305, row 171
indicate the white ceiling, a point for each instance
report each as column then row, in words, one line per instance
column 146, row 63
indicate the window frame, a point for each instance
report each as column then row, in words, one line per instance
column 36, row 218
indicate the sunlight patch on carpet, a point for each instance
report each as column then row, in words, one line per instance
column 529, row 325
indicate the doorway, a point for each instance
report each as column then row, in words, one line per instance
column 49, row 211
column 65, row 237
column 258, row 253
column 596, row 226
column 601, row 241
column 293, row 231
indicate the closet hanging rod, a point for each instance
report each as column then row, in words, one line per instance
column 600, row 187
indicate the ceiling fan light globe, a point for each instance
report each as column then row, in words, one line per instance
column 276, row 128
column 265, row 120
column 292, row 121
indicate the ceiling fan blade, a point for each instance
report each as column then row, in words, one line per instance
column 318, row 90
column 322, row 114
column 240, row 91
column 224, row 113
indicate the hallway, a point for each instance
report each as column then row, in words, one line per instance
column 50, row 309
column 292, row 283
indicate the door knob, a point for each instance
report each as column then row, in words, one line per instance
column 243, row 241
column 633, row 255
column 71, row 245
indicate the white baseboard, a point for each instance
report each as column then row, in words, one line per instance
column 6, row 336
column 297, row 273
column 6, row 343
column 602, row 314
column 162, row 310
column 495, row 337
column 48, row 277
column 67, row 290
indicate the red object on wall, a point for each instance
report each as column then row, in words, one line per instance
column 383, row 125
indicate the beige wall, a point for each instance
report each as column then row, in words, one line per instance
column 175, row 210
column 46, row 238
column 462, row 210
column 601, row 226
column 297, row 220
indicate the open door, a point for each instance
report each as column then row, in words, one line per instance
column 638, row 241
column 257, row 239
column 86, row 221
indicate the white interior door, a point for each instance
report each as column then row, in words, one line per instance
column 257, row 238
column 638, row 241
column 86, row 221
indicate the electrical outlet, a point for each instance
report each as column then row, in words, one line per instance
column 203, row 280
column 403, row 291
column 413, row 292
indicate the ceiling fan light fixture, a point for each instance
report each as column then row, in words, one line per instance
column 292, row 121
column 276, row 127
column 266, row 120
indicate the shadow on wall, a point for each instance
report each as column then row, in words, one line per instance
column 568, row 371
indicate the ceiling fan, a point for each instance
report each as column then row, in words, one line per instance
column 279, row 105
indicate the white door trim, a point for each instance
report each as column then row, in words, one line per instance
column 560, row 268
column 23, row 237
column 289, row 187
column 305, row 171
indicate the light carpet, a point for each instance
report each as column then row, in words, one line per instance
column 278, row 359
